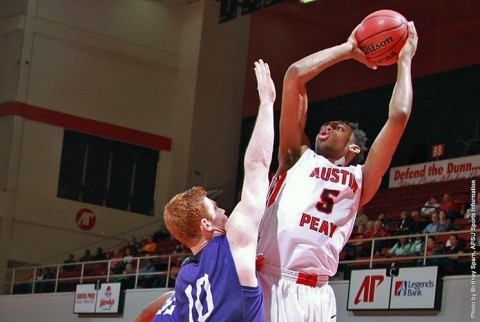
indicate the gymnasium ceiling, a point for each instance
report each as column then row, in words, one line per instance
column 449, row 34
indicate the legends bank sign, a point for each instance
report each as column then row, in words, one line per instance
column 436, row 171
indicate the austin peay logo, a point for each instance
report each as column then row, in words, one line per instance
column 409, row 288
column 366, row 293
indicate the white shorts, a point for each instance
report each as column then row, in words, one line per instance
column 287, row 301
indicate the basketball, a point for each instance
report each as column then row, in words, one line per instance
column 381, row 36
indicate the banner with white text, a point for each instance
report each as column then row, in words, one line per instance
column 436, row 171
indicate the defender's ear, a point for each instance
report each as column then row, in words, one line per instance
column 205, row 225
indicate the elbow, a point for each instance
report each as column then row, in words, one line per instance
column 400, row 116
column 293, row 70
column 293, row 73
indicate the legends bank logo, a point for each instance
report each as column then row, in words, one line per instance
column 409, row 288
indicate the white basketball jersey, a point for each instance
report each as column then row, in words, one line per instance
column 310, row 215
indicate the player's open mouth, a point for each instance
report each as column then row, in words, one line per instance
column 323, row 135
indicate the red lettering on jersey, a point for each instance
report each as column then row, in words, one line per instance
column 274, row 189
column 315, row 173
column 324, row 228
column 345, row 175
column 325, row 174
column 317, row 224
column 305, row 219
column 314, row 223
column 333, row 227
column 336, row 175
column 353, row 184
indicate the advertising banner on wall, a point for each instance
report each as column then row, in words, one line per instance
column 414, row 288
column 85, row 298
column 405, row 288
column 98, row 298
column 369, row 290
column 436, row 171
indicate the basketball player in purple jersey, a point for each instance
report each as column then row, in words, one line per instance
column 220, row 282
column 314, row 197
column 162, row 309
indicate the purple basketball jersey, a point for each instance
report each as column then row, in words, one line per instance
column 167, row 313
column 208, row 288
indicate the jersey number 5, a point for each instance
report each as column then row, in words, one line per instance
column 327, row 201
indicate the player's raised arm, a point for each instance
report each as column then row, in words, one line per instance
column 384, row 146
column 242, row 226
column 295, row 101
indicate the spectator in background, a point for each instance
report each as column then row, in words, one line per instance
column 34, row 279
column 416, row 244
column 69, row 263
column 445, row 223
column 420, row 222
column 430, row 206
column 450, row 208
column 428, row 250
column 431, row 248
column 128, row 276
column 407, row 224
column 361, row 218
column 87, row 256
column 402, row 247
column 369, row 227
column 415, row 214
column 100, row 255
column 385, row 221
column 127, row 257
column 45, row 282
column 116, row 263
column 356, row 248
column 133, row 245
column 149, row 247
column 146, row 276
column 377, row 232
column 452, row 262
column 434, row 226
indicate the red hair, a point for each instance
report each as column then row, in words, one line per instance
column 183, row 214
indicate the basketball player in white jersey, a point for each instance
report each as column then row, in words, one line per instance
column 315, row 195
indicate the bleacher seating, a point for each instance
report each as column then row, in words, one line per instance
column 392, row 201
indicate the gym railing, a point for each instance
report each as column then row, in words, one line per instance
column 23, row 280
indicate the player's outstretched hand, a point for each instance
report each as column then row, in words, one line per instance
column 265, row 86
column 356, row 53
column 410, row 47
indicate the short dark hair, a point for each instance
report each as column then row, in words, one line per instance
column 360, row 140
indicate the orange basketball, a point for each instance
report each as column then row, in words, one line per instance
column 381, row 36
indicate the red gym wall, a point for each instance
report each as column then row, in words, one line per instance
column 283, row 33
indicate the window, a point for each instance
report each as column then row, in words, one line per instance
column 107, row 173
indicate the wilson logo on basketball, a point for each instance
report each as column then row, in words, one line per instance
column 373, row 47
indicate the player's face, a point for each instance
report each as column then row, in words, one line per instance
column 219, row 219
column 334, row 139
